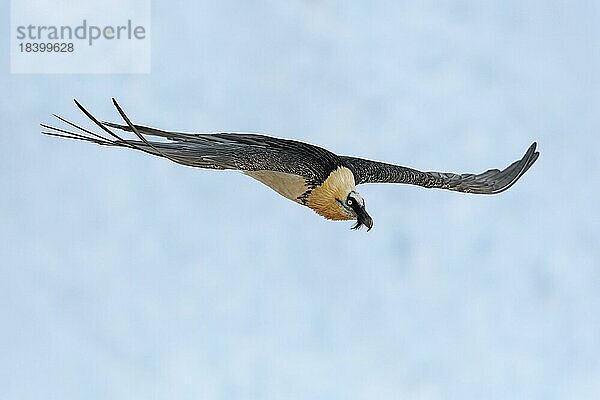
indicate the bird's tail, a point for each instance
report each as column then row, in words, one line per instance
column 110, row 138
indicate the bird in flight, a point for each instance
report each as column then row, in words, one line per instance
column 304, row 173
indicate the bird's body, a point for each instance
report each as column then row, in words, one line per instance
column 337, row 185
column 304, row 173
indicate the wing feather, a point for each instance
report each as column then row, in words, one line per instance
column 489, row 182
column 245, row 152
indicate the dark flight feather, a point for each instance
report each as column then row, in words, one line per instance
column 244, row 152
column 489, row 182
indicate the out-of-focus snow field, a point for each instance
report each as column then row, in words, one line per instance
column 127, row 277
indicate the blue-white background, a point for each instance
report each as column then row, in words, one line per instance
column 127, row 277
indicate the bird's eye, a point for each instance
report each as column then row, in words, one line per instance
column 349, row 202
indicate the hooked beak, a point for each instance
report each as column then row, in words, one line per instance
column 362, row 218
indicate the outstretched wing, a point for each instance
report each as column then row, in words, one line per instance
column 245, row 152
column 489, row 182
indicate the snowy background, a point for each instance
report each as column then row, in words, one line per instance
column 127, row 277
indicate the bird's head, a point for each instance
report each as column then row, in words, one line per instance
column 354, row 206
column 337, row 199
